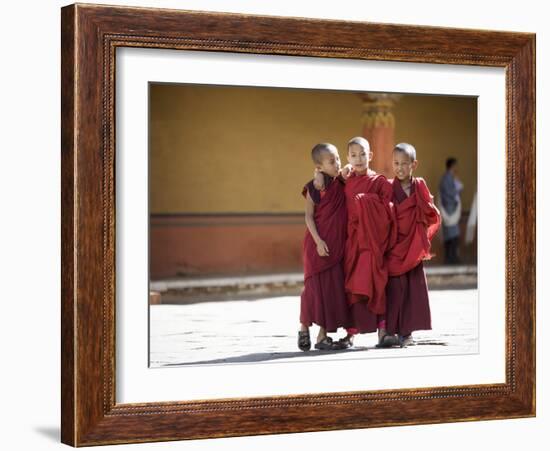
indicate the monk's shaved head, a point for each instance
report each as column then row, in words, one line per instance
column 320, row 149
column 361, row 142
column 407, row 149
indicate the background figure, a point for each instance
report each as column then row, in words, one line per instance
column 450, row 207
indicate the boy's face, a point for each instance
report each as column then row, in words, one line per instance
column 403, row 166
column 330, row 163
column 359, row 158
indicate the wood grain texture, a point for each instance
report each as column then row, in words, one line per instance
column 90, row 36
column 68, row 239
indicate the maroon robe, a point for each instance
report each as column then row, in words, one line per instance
column 323, row 299
column 408, row 307
column 418, row 220
column 371, row 232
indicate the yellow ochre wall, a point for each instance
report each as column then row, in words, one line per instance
column 223, row 157
column 240, row 149
column 440, row 127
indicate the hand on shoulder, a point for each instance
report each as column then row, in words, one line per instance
column 318, row 180
column 346, row 171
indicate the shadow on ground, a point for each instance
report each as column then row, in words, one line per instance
column 51, row 432
column 271, row 356
column 268, row 356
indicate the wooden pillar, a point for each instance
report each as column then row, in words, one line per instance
column 379, row 129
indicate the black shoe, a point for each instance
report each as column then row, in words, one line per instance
column 326, row 344
column 406, row 340
column 304, row 342
column 345, row 343
column 388, row 341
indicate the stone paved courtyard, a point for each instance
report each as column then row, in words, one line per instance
column 264, row 330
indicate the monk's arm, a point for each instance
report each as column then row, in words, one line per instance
column 346, row 172
column 432, row 216
column 318, row 180
column 386, row 194
column 386, row 190
column 322, row 248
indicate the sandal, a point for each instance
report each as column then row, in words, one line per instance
column 346, row 342
column 387, row 341
column 406, row 340
column 326, row 344
column 304, row 342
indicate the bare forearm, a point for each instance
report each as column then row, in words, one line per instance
column 310, row 223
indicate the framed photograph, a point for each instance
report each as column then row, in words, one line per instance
column 188, row 143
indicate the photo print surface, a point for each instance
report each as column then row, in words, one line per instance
column 237, row 275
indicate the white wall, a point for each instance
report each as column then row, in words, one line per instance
column 30, row 228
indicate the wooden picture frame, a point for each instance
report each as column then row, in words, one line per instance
column 90, row 36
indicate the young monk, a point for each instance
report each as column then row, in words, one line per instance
column 371, row 232
column 418, row 219
column 323, row 299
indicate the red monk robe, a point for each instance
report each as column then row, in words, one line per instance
column 371, row 232
column 418, row 220
column 323, row 299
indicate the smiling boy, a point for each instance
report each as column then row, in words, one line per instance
column 370, row 233
column 418, row 219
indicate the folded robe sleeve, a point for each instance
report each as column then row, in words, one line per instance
column 376, row 233
column 418, row 220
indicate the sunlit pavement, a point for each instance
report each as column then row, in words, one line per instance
column 265, row 330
